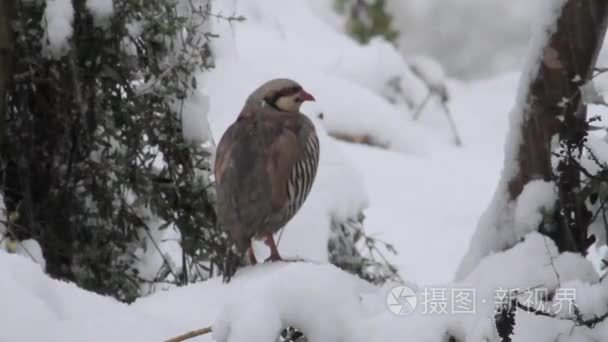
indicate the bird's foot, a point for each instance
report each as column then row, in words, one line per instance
column 274, row 252
column 273, row 258
column 252, row 259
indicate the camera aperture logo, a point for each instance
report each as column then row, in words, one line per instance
column 401, row 300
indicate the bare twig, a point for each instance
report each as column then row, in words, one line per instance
column 577, row 319
column 147, row 229
column 441, row 92
column 557, row 277
column 190, row 334
column 448, row 114
column 534, row 311
column 422, row 104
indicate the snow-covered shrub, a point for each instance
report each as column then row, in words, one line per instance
column 352, row 250
column 96, row 160
column 581, row 178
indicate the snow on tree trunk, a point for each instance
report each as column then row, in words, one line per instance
column 57, row 21
column 563, row 54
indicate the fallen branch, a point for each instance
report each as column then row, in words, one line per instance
column 190, row 334
column 362, row 139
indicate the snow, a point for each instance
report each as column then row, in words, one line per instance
column 321, row 66
column 30, row 248
column 538, row 197
column 470, row 38
column 194, row 111
column 300, row 304
column 101, row 10
column 421, row 193
column 406, row 192
column 396, row 214
column 61, row 311
column 262, row 299
column 591, row 299
column 58, row 17
column 429, row 70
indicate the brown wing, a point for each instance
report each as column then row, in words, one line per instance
column 241, row 184
column 258, row 171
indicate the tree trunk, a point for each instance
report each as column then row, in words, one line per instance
column 555, row 107
column 567, row 62
column 6, row 59
column 552, row 104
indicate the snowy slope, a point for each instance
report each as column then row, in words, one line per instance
column 327, row 303
column 407, row 192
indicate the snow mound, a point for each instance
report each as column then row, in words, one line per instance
column 272, row 297
column 324, row 302
column 60, row 311
column 538, row 197
column 335, row 306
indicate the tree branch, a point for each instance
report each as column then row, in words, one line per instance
column 7, row 51
column 577, row 319
column 190, row 334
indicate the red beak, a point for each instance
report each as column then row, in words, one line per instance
column 305, row 96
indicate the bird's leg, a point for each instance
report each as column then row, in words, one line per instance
column 252, row 258
column 274, row 252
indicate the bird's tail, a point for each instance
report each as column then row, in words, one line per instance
column 232, row 261
column 231, row 264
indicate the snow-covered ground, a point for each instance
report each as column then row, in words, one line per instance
column 423, row 194
column 408, row 191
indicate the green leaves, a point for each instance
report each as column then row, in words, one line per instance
column 97, row 141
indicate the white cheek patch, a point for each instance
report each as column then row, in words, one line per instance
column 287, row 103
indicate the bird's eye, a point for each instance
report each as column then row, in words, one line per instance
column 298, row 100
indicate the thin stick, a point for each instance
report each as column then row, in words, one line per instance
column 422, row 105
column 190, row 334
column 448, row 114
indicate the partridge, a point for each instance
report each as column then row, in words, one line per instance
column 266, row 163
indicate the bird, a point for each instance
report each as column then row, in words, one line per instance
column 266, row 163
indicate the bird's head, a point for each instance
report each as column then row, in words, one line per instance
column 283, row 94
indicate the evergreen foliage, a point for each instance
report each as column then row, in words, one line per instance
column 94, row 159
column 351, row 249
